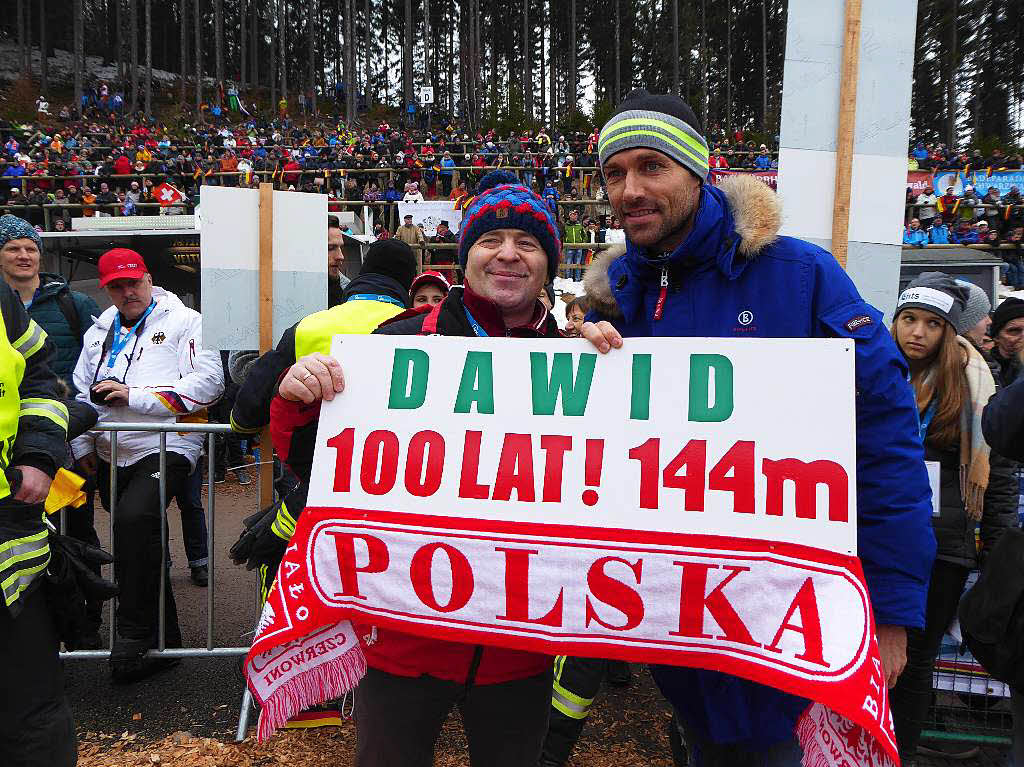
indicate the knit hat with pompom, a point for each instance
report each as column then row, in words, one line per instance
column 502, row 202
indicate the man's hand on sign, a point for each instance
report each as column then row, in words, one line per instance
column 602, row 335
column 892, row 646
column 116, row 393
column 34, row 485
column 313, row 377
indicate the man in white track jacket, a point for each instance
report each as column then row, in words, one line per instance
column 142, row 361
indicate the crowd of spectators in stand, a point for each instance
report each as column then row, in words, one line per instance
column 114, row 165
column 991, row 219
column 924, row 156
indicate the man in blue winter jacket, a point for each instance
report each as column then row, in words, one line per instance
column 701, row 260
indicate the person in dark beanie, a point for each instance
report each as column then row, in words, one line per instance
column 707, row 261
column 379, row 293
column 1007, row 331
column 508, row 249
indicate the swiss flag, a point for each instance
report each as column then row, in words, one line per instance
column 166, row 194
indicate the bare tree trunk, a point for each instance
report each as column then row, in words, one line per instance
column 371, row 97
column 407, row 60
column 243, row 10
column 764, row 63
column 272, row 74
column 282, row 35
column 527, row 74
column 197, row 30
column 573, row 73
column 544, row 29
column 119, row 42
column 552, row 66
column 182, row 33
column 674, row 24
column 311, row 13
column 704, row 59
column 79, row 35
column 44, row 55
column 618, row 52
column 149, row 59
column 951, row 54
column 254, row 70
column 728, row 68
column 133, row 21
column 218, row 50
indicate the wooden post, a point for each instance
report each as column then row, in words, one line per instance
column 844, row 139
column 266, row 320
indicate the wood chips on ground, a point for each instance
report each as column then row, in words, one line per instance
column 625, row 729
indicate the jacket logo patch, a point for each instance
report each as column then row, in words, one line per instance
column 745, row 317
column 158, row 338
column 858, row 322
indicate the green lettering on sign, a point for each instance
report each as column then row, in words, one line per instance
column 640, row 397
column 477, row 384
column 409, row 374
column 574, row 387
column 702, row 409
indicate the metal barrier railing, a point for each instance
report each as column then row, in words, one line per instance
column 162, row 651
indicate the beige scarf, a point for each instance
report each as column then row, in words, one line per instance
column 974, row 451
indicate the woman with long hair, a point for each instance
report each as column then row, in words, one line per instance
column 952, row 384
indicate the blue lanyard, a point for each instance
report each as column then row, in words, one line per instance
column 477, row 327
column 375, row 297
column 120, row 341
column 929, row 413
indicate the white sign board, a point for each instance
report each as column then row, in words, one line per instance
column 430, row 214
column 229, row 258
column 693, row 436
column 426, row 95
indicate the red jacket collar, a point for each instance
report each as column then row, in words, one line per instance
column 489, row 316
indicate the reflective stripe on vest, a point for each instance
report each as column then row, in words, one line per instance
column 46, row 408
column 314, row 333
column 31, row 340
column 565, row 701
column 12, row 369
column 283, row 525
column 20, row 560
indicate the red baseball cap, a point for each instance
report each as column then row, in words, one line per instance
column 121, row 263
column 435, row 278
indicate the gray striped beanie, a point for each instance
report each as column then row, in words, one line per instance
column 662, row 122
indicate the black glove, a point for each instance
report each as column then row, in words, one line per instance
column 69, row 583
column 259, row 544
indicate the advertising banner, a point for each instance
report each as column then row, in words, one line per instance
column 431, row 213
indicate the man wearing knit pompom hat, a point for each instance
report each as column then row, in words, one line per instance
column 508, row 249
column 708, row 261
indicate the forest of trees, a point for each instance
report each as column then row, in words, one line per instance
column 520, row 61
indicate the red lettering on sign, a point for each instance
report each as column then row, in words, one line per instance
column 376, row 562
column 806, row 602
column 379, row 467
column 515, row 469
column 615, row 594
column 421, row 570
column 740, row 461
column 343, row 461
column 806, row 477
column 517, row 590
column 648, row 454
column 693, row 458
column 694, row 599
column 555, row 448
column 468, row 485
column 423, row 481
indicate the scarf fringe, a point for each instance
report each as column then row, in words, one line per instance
column 830, row 740
column 326, row 681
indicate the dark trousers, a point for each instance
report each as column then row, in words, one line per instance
column 398, row 719
column 912, row 695
column 36, row 726
column 446, row 186
column 576, row 684
column 137, row 548
column 193, row 518
column 229, row 452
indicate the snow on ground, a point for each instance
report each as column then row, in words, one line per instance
column 61, row 68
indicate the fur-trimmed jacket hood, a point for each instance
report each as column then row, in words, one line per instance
column 736, row 220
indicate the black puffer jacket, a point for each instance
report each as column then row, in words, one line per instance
column 954, row 532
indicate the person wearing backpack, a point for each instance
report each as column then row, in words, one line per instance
column 952, row 384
